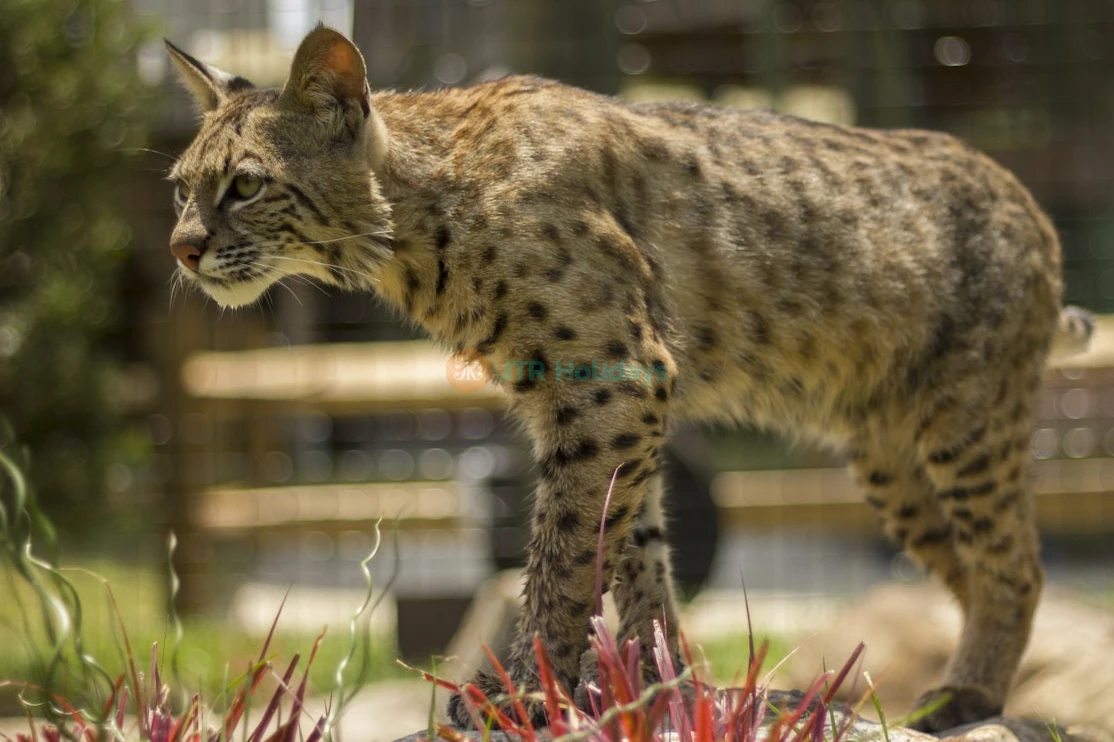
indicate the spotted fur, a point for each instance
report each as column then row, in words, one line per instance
column 891, row 293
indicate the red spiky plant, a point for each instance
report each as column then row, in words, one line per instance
column 156, row 721
column 679, row 707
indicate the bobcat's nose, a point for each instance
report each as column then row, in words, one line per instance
column 187, row 254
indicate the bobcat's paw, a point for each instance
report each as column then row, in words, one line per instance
column 492, row 687
column 589, row 679
column 956, row 706
column 588, row 687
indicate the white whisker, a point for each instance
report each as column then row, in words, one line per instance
column 304, row 281
column 289, row 291
column 330, row 266
column 146, row 149
column 270, row 272
column 378, row 233
column 179, row 286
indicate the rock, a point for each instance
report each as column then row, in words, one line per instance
column 489, row 622
column 910, row 630
column 384, row 710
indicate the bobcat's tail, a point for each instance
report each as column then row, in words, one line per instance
column 1073, row 334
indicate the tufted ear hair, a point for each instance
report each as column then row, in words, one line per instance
column 208, row 85
column 328, row 77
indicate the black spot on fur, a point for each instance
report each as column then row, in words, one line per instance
column 643, row 536
column 583, row 450
column 981, row 490
column 706, row 338
column 497, row 330
column 569, row 521
column 629, row 468
column 760, row 329
column 906, row 512
column 442, row 238
column 566, row 414
column 442, row 276
column 562, row 570
column 879, row 478
column 1007, row 501
column 932, row 536
column 616, row 516
column 623, row 441
column 565, row 333
column 943, row 456
column 983, row 525
column 537, row 310
column 642, row 476
column 977, row 466
column 602, row 396
column 632, row 389
column 413, row 285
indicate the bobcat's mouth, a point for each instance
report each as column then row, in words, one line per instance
column 239, row 289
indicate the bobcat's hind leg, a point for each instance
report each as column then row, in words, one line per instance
column 978, row 468
column 898, row 490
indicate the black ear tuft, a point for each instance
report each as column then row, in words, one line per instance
column 209, row 86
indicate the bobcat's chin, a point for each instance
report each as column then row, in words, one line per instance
column 231, row 294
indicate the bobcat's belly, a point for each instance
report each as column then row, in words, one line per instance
column 780, row 392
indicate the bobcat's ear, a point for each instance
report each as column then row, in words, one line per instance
column 328, row 70
column 208, row 85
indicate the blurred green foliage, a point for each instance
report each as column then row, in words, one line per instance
column 72, row 115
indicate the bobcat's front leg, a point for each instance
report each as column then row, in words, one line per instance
column 584, row 430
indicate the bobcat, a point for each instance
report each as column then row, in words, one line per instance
column 894, row 294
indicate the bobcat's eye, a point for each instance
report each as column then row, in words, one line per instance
column 181, row 193
column 245, row 186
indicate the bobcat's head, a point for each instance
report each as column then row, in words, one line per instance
column 278, row 183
